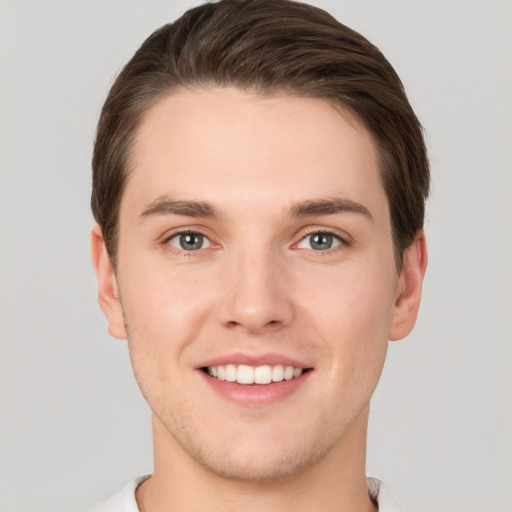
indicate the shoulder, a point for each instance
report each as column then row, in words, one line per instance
column 123, row 501
column 381, row 495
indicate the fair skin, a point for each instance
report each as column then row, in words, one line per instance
column 255, row 232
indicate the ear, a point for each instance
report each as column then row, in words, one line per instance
column 108, row 292
column 407, row 303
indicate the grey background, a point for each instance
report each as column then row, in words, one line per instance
column 74, row 427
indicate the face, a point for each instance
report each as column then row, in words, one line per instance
column 256, row 278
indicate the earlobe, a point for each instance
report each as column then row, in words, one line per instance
column 108, row 293
column 406, row 306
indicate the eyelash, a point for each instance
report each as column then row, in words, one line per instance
column 343, row 241
column 184, row 252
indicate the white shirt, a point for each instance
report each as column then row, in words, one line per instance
column 124, row 500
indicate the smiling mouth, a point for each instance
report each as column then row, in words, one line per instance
column 254, row 375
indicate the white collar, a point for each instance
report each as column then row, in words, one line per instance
column 124, row 500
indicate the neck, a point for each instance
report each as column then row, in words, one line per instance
column 335, row 483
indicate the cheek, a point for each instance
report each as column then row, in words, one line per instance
column 352, row 313
column 161, row 299
column 163, row 315
column 162, row 318
column 357, row 301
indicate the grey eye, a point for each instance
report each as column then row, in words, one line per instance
column 321, row 241
column 189, row 241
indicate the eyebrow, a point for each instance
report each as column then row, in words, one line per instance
column 168, row 206
column 204, row 209
column 329, row 206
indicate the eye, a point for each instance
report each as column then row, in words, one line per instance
column 320, row 241
column 189, row 241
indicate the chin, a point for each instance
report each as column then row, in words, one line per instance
column 266, row 455
column 257, row 468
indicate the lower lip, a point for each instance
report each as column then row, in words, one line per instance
column 254, row 395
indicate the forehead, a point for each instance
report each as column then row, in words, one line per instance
column 228, row 145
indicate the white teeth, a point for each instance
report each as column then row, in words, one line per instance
column 245, row 374
column 288, row 372
column 262, row 375
column 277, row 373
column 230, row 372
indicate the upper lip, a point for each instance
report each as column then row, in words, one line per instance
column 270, row 359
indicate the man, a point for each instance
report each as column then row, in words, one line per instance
column 259, row 181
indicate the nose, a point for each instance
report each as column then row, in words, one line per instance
column 256, row 293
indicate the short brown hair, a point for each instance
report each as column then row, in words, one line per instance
column 269, row 47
